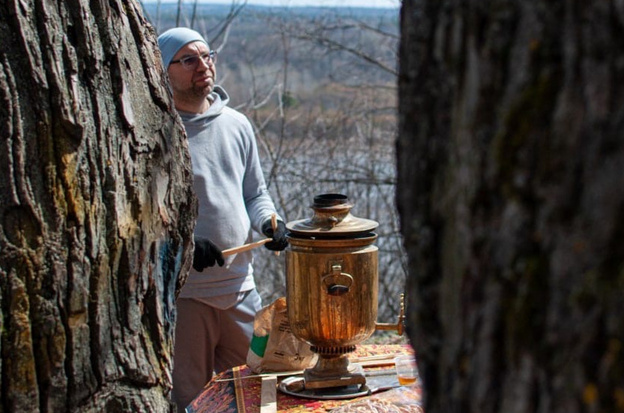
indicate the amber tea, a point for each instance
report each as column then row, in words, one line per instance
column 406, row 369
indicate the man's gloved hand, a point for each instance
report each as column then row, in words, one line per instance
column 279, row 242
column 206, row 254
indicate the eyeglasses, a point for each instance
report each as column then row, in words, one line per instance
column 191, row 62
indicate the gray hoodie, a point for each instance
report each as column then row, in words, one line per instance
column 233, row 197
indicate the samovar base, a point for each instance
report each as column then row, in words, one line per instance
column 295, row 386
column 313, row 381
column 333, row 371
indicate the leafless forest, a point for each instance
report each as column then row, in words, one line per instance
column 319, row 85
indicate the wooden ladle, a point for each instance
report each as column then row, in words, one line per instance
column 251, row 245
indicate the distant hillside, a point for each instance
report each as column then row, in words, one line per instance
column 303, row 49
column 163, row 15
column 223, row 9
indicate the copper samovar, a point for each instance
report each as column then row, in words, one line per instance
column 332, row 284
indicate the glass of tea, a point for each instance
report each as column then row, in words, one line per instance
column 406, row 369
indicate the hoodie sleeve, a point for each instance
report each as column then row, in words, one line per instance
column 258, row 202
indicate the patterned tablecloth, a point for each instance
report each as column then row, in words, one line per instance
column 243, row 395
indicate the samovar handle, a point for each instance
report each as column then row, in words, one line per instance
column 400, row 325
column 337, row 282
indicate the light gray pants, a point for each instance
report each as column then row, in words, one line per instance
column 208, row 339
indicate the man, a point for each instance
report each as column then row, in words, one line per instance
column 217, row 305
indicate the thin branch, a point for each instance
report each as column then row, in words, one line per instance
column 324, row 41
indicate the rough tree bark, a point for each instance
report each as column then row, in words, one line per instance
column 510, row 159
column 96, row 209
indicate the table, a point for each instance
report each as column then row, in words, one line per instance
column 221, row 395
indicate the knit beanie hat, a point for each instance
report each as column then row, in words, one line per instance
column 171, row 41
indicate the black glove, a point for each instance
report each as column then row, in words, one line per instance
column 279, row 242
column 206, row 254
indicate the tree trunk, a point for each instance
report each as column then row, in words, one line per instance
column 510, row 163
column 96, row 206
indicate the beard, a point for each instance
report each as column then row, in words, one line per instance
column 191, row 91
column 202, row 91
column 203, row 87
column 195, row 94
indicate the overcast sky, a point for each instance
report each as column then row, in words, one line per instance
column 296, row 3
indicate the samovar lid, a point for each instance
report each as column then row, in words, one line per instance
column 332, row 218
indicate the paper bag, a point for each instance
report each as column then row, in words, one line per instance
column 273, row 345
